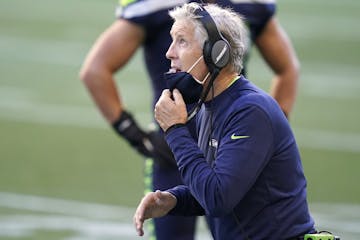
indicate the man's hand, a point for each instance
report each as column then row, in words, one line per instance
column 170, row 109
column 153, row 205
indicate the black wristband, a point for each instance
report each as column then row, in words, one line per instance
column 127, row 128
column 124, row 121
column 172, row 127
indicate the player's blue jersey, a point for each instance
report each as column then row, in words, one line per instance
column 256, row 13
column 245, row 171
column 153, row 16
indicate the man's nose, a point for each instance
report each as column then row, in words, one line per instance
column 170, row 52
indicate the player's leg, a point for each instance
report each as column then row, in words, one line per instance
column 175, row 228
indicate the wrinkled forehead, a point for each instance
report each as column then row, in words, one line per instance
column 190, row 30
column 182, row 27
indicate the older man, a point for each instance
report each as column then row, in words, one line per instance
column 244, row 172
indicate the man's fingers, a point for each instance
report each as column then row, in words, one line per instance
column 177, row 96
column 159, row 106
column 169, row 111
column 165, row 94
column 139, row 220
column 140, row 216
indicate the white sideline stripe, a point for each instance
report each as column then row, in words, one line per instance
column 334, row 85
column 88, row 220
column 67, row 207
column 24, row 225
column 64, row 53
column 84, row 229
column 18, row 105
column 97, row 221
column 318, row 139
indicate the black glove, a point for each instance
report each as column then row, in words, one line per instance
column 162, row 153
column 151, row 144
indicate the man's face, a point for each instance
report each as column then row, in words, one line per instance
column 185, row 50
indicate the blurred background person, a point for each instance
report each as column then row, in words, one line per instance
column 147, row 24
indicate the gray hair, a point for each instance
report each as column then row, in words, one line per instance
column 228, row 22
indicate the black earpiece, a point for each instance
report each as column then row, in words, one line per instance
column 216, row 50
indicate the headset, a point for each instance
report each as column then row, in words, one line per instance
column 216, row 49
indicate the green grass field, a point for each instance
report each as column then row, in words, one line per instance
column 64, row 175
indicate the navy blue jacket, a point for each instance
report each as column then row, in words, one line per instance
column 245, row 172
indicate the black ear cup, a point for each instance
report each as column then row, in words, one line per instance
column 207, row 54
column 216, row 55
column 220, row 53
column 217, row 49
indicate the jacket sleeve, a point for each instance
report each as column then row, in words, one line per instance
column 186, row 204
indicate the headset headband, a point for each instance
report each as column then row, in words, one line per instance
column 216, row 49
